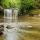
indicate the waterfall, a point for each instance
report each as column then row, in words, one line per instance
column 15, row 15
column 10, row 20
column 8, row 15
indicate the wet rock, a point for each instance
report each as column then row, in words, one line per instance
column 1, row 29
column 9, row 27
column 1, row 33
column 1, row 10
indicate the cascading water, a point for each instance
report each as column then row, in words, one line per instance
column 8, row 15
column 15, row 15
column 10, row 23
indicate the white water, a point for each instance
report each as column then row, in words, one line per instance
column 15, row 15
column 11, row 33
column 9, row 15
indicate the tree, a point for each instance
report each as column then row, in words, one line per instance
column 26, row 5
column 10, row 3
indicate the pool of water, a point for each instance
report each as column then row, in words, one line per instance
column 22, row 34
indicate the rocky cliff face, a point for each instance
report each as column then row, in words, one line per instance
column 1, row 10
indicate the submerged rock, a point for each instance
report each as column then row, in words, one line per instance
column 9, row 27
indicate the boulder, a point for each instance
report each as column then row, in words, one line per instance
column 1, row 29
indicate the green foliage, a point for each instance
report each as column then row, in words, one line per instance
column 11, row 3
column 38, row 3
column 26, row 5
column 7, row 3
column 17, row 3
